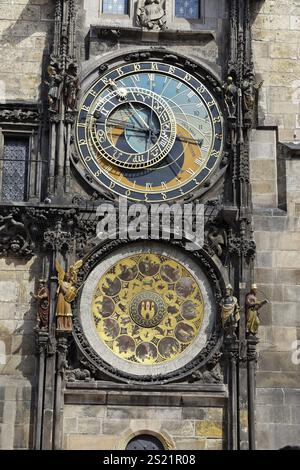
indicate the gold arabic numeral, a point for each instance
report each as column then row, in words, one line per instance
column 216, row 119
column 210, row 104
column 97, row 173
column 154, row 66
column 137, row 67
column 85, row 108
column 146, row 197
column 218, row 136
column 82, row 142
column 215, row 154
column 112, row 185
column 120, row 72
column 128, row 192
column 88, row 158
column 164, row 196
column 172, row 69
column 93, row 93
column 187, row 77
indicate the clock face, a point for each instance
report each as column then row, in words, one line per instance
column 147, row 311
column 149, row 131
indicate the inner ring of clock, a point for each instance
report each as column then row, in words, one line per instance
column 147, row 309
column 136, row 129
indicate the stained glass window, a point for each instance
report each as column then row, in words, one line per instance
column 14, row 168
column 115, row 7
column 189, row 9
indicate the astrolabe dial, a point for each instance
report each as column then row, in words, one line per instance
column 136, row 133
column 149, row 131
column 148, row 309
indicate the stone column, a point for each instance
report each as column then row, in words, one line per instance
column 251, row 361
column 62, row 349
column 42, row 338
column 232, row 354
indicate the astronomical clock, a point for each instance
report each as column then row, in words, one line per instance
column 151, row 131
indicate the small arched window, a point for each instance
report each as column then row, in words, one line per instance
column 189, row 9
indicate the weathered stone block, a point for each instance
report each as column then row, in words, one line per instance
column 214, row 444
column 266, row 396
column 212, row 429
column 179, row 428
column 89, row 425
column 114, row 426
column 190, row 444
column 139, row 412
column 70, row 425
column 87, row 442
column 273, row 414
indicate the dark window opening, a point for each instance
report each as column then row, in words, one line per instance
column 14, row 168
column 189, row 9
column 145, row 442
column 115, row 7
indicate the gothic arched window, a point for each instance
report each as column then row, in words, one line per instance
column 115, row 7
column 189, row 9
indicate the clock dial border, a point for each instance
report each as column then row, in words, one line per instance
column 192, row 185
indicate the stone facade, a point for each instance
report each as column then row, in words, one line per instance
column 26, row 28
column 276, row 35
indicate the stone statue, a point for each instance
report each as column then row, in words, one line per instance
column 71, row 89
column 151, row 14
column 43, row 299
column 230, row 92
column 249, row 88
column 54, row 83
column 67, row 293
column 252, row 307
column 230, row 313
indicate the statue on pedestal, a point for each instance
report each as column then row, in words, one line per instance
column 230, row 313
column 151, row 14
column 67, row 293
column 43, row 299
column 252, row 307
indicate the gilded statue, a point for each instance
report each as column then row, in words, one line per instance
column 43, row 298
column 67, row 293
column 230, row 313
column 252, row 307
column 151, row 14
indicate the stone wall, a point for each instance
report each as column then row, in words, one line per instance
column 24, row 41
column 276, row 38
column 98, row 427
column 275, row 180
column 17, row 349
